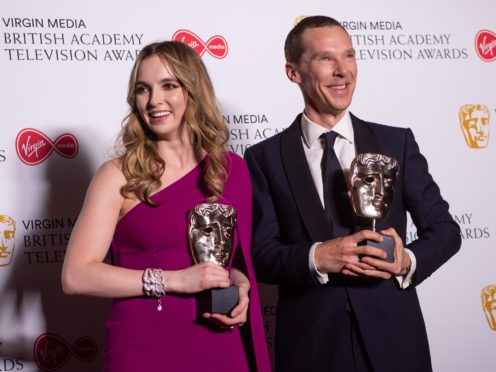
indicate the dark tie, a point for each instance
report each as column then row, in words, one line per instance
column 336, row 200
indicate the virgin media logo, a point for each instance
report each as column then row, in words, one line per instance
column 216, row 46
column 485, row 45
column 51, row 352
column 34, row 147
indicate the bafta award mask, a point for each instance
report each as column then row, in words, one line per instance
column 488, row 296
column 372, row 180
column 474, row 122
column 211, row 233
column 7, row 242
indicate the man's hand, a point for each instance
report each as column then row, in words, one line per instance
column 344, row 255
column 402, row 262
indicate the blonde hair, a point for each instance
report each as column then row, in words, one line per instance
column 141, row 164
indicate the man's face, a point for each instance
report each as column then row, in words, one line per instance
column 7, row 243
column 489, row 305
column 326, row 72
column 475, row 127
column 211, row 237
column 372, row 190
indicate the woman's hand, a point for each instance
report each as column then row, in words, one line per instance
column 197, row 278
column 239, row 314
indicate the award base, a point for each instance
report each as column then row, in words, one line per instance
column 387, row 245
column 217, row 300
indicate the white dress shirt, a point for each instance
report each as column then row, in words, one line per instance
column 345, row 150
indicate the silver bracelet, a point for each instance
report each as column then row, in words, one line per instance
column 154, row 285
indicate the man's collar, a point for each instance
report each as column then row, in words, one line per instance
column 311, row 131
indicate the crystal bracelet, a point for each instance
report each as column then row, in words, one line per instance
column 154, row 285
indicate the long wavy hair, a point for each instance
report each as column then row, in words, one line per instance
column 141, row 164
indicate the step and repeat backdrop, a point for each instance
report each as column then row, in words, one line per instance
column 430, row 66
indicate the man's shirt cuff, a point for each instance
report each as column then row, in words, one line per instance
column 320, row 277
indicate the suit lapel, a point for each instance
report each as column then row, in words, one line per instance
column 365, row 139
column 301, row 183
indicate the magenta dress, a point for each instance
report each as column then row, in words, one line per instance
column 140, row 338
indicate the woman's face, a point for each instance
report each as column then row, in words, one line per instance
column 160, row 99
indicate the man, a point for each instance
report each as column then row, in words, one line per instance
column 341, row 306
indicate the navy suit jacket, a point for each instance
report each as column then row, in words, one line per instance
column 288, row 218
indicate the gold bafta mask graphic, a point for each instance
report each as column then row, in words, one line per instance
column 7, row 242
column 488, row 297
column 474, row 122
column 298, row 19
column 211, row 233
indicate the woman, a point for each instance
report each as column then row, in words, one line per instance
column 173, row 157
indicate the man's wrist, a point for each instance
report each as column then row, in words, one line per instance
column 406, row 279
column 407, row 269
column 322, row 278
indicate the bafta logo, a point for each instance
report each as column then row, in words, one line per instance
column 488, row 297
column 7, row 242
column 474, row 123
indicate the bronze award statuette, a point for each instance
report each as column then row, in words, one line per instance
column 372, row 181
column 211, row 238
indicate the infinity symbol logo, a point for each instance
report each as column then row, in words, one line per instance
column 216, row 46
column 51, row 352
column 485, row 45
column 34, row 147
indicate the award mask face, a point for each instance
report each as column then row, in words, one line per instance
column 474, row 122
column 211, row 233
column 372, row 178
column 488, row 297
column 7, row 242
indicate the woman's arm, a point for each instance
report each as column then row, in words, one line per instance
column 84, row 270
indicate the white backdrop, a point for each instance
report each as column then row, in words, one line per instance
column 64, row 70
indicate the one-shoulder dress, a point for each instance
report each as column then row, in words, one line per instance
column 141, row 338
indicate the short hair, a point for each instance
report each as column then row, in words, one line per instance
column 293, row 47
